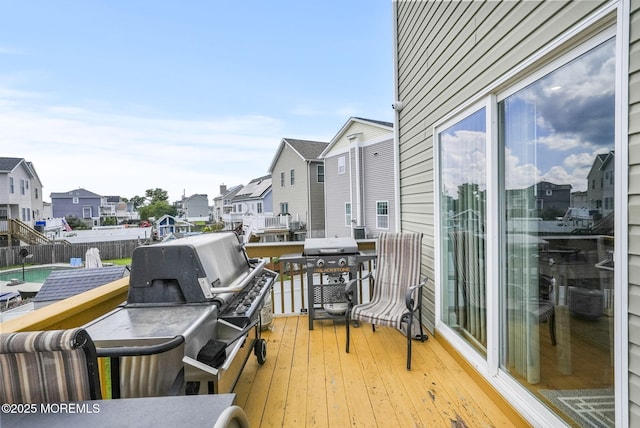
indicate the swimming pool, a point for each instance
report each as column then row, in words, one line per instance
column 33, row 274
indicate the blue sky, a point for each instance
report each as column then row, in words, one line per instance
column 121, row 96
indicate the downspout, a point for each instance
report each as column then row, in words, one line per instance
column 350, row 187
column 309, row 223
column 397, row 106
column 355, row 139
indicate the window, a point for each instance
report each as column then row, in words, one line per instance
column 3, row 214
column 11, row 185
column 36, row 192
column 76, row 200
column 259, row 208
column 538, row 281
column 22, row 186
column 462, row 188
column 540, row 300
column 292, row 177
column 347, row 214
column 341, row 165
column 382, row 214
column 282, row 179
column 320, row 173
column 284, row 207
column 86, row 212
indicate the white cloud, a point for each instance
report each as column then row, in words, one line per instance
column 118, row 154
column 465, row 160
column 561, row 142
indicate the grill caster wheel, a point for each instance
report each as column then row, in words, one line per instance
column 260, row 349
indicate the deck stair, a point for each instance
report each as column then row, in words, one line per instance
column 14, row 228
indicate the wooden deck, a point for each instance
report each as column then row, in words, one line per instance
column 309, row 380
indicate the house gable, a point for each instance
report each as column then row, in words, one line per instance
column 369, row 131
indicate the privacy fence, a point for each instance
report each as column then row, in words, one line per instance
column 63, row 253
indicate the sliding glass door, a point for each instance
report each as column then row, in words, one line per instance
column 463, row 219
column 550, row 262
column 557, row 137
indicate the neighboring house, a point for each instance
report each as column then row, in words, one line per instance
column 255, row 198
column 359, row 188
column 298, row 187
column 114, row 206
column 601, row 184
column 496, row 96
column 222, row 204
column 20, row 191
column 540, row 199
column 195, row 208
column 79, row 203
column 169, row 225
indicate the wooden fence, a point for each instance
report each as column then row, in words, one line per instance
column 62, row 253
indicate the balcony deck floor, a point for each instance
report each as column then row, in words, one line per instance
column 309, row 380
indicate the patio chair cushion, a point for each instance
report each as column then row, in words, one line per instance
column 398, row 268
column 48, row 366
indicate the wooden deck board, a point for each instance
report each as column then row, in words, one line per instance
column 296, row 410
column 309, row 380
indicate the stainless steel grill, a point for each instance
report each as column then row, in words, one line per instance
column 330, row 263
column 186, row 325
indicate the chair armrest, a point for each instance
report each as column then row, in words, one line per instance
column 348, row 289
column 410, row 300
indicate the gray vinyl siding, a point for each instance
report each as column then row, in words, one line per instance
column 634, row 215
column 447, row 52
column 378, row 185
column 337, row 191
column 316, row 201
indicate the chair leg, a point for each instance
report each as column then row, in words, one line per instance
column 423, row 336
column 409, row 327
column 348, row 321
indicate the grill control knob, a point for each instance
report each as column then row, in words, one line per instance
column 342, row 262
column 320, row 263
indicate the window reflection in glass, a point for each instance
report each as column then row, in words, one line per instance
column 557, row 287
column 463, row 200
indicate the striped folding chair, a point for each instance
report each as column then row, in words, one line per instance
column 397, row 290
column 48, row 367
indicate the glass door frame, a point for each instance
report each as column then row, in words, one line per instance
column 489, row 367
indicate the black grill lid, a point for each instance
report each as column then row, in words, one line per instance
column 330, row 246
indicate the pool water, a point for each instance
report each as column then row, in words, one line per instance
column 30, row 275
